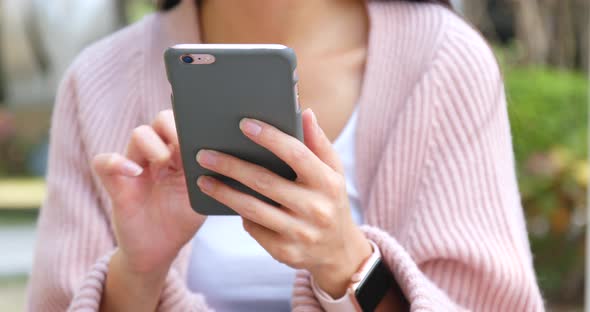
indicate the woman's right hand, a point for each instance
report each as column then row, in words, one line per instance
column 152, row 216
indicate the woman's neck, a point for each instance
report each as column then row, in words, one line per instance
column 310, row 27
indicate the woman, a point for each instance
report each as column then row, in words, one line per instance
column 413, row 103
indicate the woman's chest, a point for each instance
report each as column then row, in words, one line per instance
column 331, row 88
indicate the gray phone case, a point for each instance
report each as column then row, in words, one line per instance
column 209, row 100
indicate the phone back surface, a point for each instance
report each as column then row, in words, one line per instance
column 209, row 100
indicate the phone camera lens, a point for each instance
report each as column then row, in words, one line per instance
column 187, row 59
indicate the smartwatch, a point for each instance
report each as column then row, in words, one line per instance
column 367, row 288
column 371, row 282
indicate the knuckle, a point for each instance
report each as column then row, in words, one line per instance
column 164, row 118
column 324, row 216
column 262, row 179
column 299, row 264
column 285, row 254
column 269, row 136
column 162, row 157
column 111, row 161
column 314, row 206
column 160, row 118
column 306, row 236
column 167, row 155
column 224, row 164
column 139, row 131
column 335, row 184
column 217, row 191
column 227, row 164
column 298, row 153
column 296, row 261
column 248, row 207
column 213, row 191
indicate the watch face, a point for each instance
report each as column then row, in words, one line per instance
column 374, row 286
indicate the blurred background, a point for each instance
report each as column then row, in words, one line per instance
column 543, row 49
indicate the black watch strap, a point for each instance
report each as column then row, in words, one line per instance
column 375, row 286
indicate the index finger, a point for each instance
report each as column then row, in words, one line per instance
column 301, row 159
column 146, row 147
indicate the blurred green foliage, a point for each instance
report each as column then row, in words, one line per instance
column 548, row 111
column 547, row 107
column 138, row 9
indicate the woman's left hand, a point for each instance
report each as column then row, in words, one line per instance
column 313, row 229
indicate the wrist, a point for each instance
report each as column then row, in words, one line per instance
column 127, row 289
column 335, row 277
column 138, row 272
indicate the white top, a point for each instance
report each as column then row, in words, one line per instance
column 235, row 273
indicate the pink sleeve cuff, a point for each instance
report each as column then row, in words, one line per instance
column 90, row 293
column 175, row 295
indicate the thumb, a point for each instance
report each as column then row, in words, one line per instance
column 316, row 140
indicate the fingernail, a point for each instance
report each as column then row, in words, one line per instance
column 132, row 169
column 205, row 183
column 250, row 127
column 207, row 158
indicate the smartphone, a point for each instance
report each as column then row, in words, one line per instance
column 214, row 86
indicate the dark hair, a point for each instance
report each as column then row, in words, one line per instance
column 166, row 4
column 169, row 4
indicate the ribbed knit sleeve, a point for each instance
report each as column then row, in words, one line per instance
column 462, row 244
column 467, row 235
column 74, row 238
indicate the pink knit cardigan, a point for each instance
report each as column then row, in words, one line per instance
column 434, row 163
